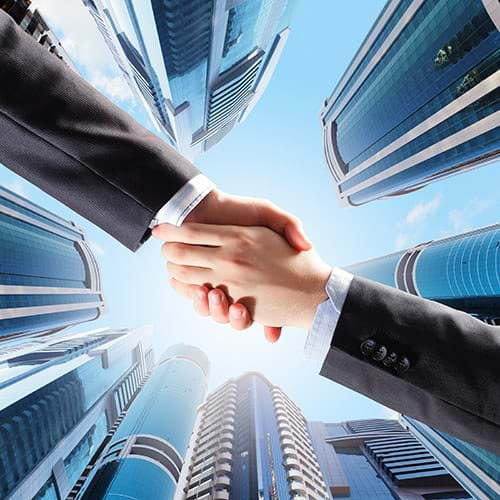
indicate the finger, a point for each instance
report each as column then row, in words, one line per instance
column 218, row 305
column 239, row 317
column 189, row 274
column 193, row 233
column 189, row 255
column 285, row 224
column 184, row 289
column 200, row 301
column 272, row 333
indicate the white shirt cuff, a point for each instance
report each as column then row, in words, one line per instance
column 184, row 201
column 327, row 316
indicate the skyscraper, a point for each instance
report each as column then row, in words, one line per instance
column 251, row 441
column 49, row 277
column 420, row 101
column 33, row 23
column 59, row 397
column 461, row 271
column 144, row 456
column 477, row 470
column 199, row 66
column 379, row 460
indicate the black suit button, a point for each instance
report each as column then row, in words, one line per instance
column 402, row 365
column 379, row 353
column 390, row 359
column 368, row 346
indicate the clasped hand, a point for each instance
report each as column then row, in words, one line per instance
column 239, row 274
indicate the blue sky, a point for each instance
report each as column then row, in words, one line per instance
column 276, row 154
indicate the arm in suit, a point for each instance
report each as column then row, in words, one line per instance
column 62, row 135
column 445, row 371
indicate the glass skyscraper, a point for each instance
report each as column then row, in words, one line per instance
column 199, row 66
column 461, row 271
column 476, row 469
column 59, row 397
column 144, row 456
column 49, row 277
column 251, row 442
column 379, row 460
column 420, row 101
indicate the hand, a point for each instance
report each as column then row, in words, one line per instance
column 220, row 208
column 277, row 284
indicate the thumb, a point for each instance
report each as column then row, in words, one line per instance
column 285, row 224
column 272, row 333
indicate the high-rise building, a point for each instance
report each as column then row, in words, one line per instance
column 33, row 23
column 476, row 469
column 420, row 101
column 378, row 459
column 49, row 277
column 59, row 397
column 251, row 442
column 144, row 455
column 199, row 66
column 461, row 271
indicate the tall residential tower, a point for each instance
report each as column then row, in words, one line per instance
column 462, row 271
column 199, row 66
column 420, row 101
column 59, row 397
column 49, row 277
column 251, row 442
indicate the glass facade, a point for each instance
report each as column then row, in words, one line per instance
column 49, row 278
column 478, row 470
column 418, row 102
column 461, row 271
column 197, row 48
column 379, row 459
column 144, row 457
column 58, row 395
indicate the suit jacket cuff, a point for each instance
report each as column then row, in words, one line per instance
column 327, row 316
column 184, row 201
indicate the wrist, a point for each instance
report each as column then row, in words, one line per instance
column 204, row 211
column 316, row 295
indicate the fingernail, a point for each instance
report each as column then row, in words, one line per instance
column 215, row 298
column 200, row 295
column 236, row 313
column 154, row 231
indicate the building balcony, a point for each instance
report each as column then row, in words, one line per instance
column 224, row 455
column 293, row 473
column 297, row 487
column 221, row 495
column 287, row 442
column 290, row 452
column 224, row 467
column 222, row 481
column 292, row 462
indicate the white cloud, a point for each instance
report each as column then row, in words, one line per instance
column 115, row 87
column 421, row 211
column 414, row 222
column 461, row 219
column 18, row 186
column 96, row 248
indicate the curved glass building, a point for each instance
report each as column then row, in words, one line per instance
column 420, row 101
column 49, row 277
column 461, row 272
column 199, row 66
column 144, row 457
column 59, row 397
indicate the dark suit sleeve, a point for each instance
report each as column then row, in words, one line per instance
column 62, row 135
column 452, row 380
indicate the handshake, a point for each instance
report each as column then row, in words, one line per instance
column 242, row 260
